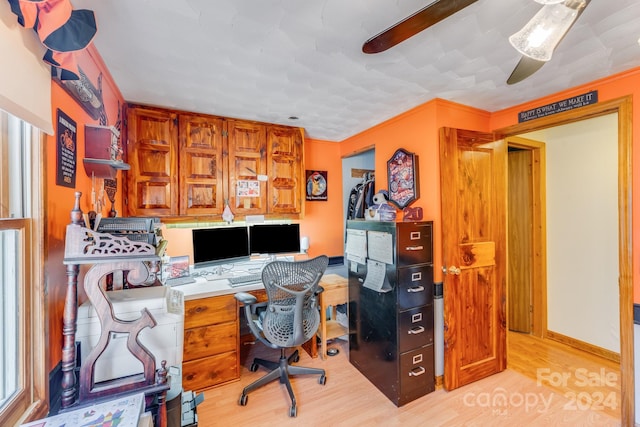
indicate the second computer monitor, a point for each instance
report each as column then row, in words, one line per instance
column 272, row 239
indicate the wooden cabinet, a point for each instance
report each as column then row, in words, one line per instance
column 186, row 164
column 210, row 350
column 247, row 166
column 211, row 354
column 285, row 169
column 151, row 151
column 201, row 165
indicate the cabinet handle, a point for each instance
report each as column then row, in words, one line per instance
column 416, row 372
column 414, row 248
column 416, row 289
column 415, row 331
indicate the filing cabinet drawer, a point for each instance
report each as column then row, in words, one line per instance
column 415, row 328
column 415, row 286
column 416, row 374
column 414, row 243
column 209, row 311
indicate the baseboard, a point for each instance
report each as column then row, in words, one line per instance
column 439, row 382
column 584, row 346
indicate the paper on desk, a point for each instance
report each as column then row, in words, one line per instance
column 377, row 276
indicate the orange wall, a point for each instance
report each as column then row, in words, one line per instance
column 60, row 199
column 623, row 84
column 321, row 223
column 417, row 131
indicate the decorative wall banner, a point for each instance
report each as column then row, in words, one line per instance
column 316, row 185
column 66, row 150
column 402, row 175
column 560, row 106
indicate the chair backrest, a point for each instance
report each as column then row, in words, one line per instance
column 292, row 315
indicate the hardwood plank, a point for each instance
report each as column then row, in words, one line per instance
column 349, row 399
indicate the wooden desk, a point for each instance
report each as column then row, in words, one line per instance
column 335, row 292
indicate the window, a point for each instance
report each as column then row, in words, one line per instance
column 22, row 337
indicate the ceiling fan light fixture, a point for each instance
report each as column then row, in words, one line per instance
column 540, row 36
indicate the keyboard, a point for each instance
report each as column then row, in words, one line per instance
column 178, row 281
column 245, row 280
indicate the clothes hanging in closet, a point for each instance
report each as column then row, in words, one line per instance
column 361, row 197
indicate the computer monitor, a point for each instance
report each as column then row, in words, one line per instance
column 220, row 245
column 272, row 239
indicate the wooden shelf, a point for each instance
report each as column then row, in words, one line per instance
column 102, row 168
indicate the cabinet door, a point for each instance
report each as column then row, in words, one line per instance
column 152, row 181
column 247, row 191
column 201, row 165
column 286, row 182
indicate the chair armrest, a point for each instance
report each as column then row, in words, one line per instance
column 319, row 290
column 246, row 298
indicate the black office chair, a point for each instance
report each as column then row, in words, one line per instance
column 291, row 318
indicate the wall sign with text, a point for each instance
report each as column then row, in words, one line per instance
column 66, row 150
column 560, row 106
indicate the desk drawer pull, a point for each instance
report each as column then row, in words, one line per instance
column 416, row 289
column 415, row 248
column 416, row 372
column 415, row 331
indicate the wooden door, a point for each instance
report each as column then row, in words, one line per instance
column 152, row 181
column 520, row 240
column 247, row 192
column 286, row 180
column 473, row 192
column 201, row 189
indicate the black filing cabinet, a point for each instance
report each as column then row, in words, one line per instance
column 391, row 306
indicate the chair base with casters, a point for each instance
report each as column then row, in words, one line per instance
column 290, row 319
column 281, row 370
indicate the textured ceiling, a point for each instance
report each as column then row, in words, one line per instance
column 268, row 60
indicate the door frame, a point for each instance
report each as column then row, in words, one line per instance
column 623, row 107
column 539, row 234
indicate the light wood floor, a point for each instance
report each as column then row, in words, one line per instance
column 349, row 399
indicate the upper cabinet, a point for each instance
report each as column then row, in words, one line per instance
column 285, row 169
column 247, row 150
column 186, row 164
column 152, row 153
column 201, row 165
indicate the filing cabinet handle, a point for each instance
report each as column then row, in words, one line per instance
column 416, row 330
column 414, row 248
column 416, row 289
column 416, row 372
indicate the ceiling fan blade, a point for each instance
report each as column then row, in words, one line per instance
column 526, row 66
column 412, row 25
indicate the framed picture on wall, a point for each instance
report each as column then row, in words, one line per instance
column 402, row 178
column 316, row 185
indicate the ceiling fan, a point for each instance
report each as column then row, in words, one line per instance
column 441, row 9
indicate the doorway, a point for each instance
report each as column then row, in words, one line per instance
column 622, row 107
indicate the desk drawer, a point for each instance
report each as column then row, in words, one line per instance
column 209, row 340
column 209, row 311
column 211, row 371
